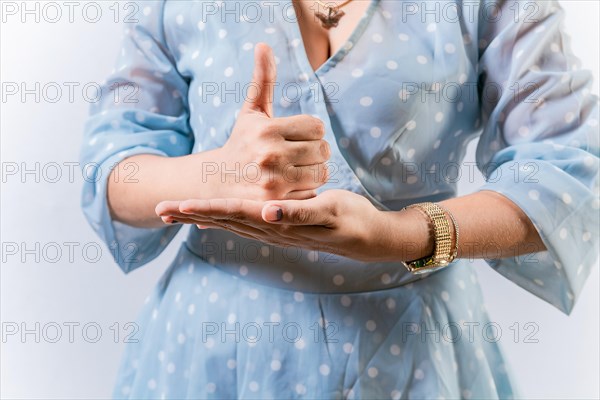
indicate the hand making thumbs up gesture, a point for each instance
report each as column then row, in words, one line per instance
column 278, row 158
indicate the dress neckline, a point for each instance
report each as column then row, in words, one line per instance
column 339, row 55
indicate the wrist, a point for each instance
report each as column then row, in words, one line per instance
column 408, row 235
column 201, row 173
column 418, row 239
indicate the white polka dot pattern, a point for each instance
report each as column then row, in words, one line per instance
column 398, row 113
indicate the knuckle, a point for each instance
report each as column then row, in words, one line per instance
column 333, row 211
column 186, row 207
column 269, row 185
column 319, row 127
column 268, row 130
column 268, row 158
column 303, row 215
column 325, row 149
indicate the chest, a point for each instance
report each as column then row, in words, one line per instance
column 396, row 93
column 319, row 42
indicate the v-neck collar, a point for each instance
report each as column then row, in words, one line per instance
column 300, row 50
column 345, row 171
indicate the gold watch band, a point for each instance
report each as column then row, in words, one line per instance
column 443, row 253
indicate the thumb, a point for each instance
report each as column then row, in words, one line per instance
column 260, row 93
column 297, row 212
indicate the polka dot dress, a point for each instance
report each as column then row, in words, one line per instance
column 401, row 99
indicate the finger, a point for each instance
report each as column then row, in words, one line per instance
column 243, row 230
column 242, row 234
column 166, row 207
column 280, row 235
column 228, row 224
column 212, row 221
column 308, row 177
column 227, row 209
column 289, row 238
column 238, row 228
column 170, row 212
column 174, row 219
column 299, row 127
column 309, row 152
column 207, row 225
column 260, row 92
column 227, row 227
column 268, row 232
column 300, row 195
column 299, row 212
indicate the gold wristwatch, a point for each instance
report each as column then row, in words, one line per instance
column 443, row 253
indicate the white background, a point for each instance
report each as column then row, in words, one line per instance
column 563, row 364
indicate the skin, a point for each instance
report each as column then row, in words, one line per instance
column 491, row 225
column 276, row 158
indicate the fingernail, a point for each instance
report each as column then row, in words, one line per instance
column 273, row 213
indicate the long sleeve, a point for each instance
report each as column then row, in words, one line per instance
column 539, row 145
column 143, row 108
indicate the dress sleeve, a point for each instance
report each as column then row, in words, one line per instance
column 539, row 145
column 142, row 108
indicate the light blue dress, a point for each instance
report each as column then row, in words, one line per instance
column 234, row 318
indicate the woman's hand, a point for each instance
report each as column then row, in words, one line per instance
column 266, row 157
column 336, row 221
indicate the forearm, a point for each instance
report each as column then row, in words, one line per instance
column 490, row 226
column 132, row 197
